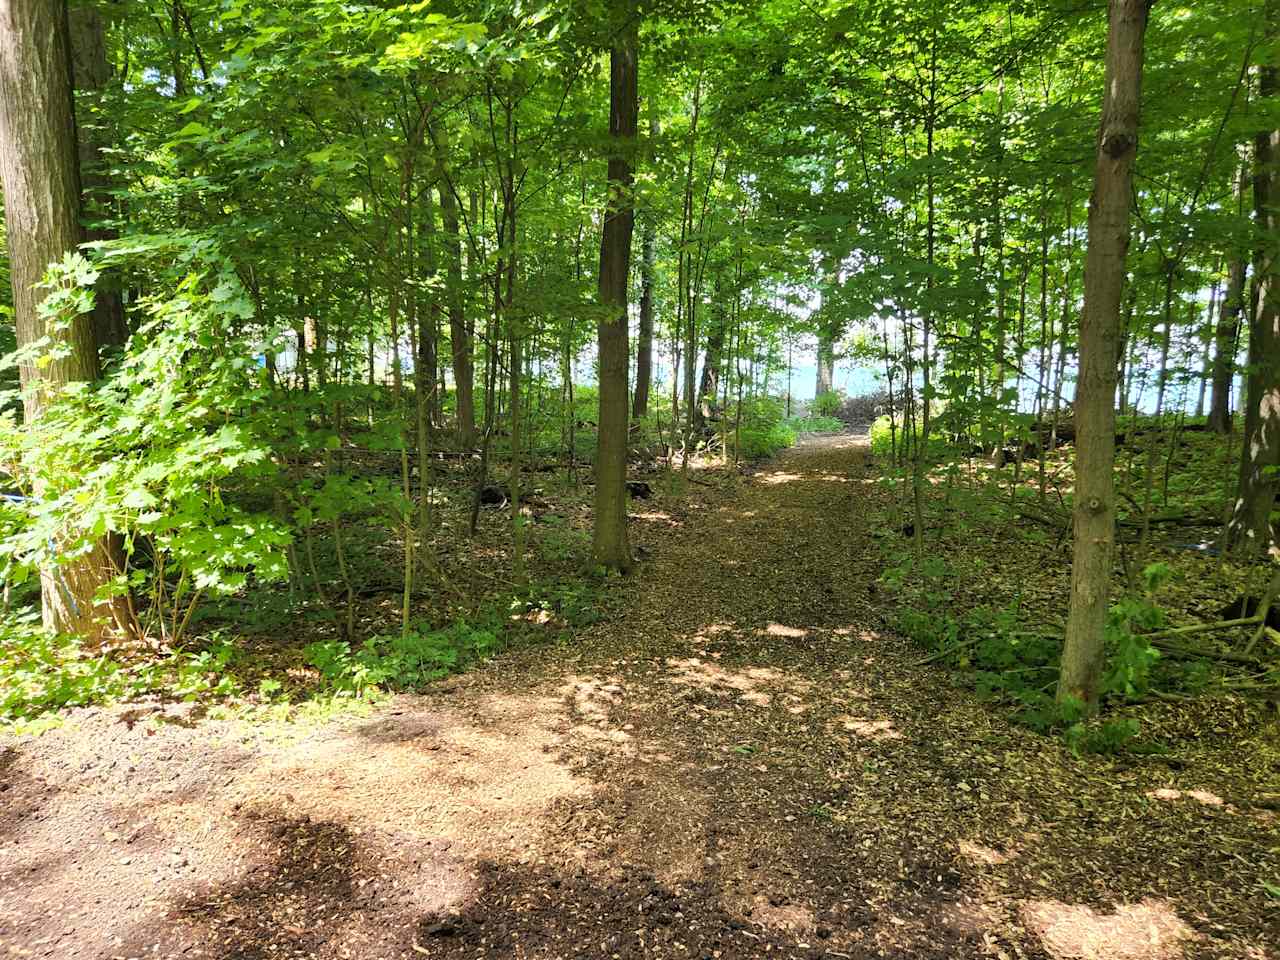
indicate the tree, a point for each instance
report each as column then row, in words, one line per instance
column 1227, row 333
column 1095, row 507
column 91, row 74
column 41, row 183
column 648, row 266
column 609, row 541
column 1250, row 531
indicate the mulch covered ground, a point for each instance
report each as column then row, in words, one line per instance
column 742, row 763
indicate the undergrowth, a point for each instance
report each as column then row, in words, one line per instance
column 1010, row 657
column 42, row 674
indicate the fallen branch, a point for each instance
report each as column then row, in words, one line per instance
column 1201, row 653
column 960, row 645
column 1205, row 628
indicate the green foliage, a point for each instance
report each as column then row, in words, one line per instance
column 804, row 425
column 760, row 442
column 400, row 661
column 882, row 436
column 40, row 673
column 1109, row 737
column 1005, row 660
column 826, row 404
column 762, row 432
column 575, row 603
column 150, row 456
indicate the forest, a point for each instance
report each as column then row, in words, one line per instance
column 648, row 478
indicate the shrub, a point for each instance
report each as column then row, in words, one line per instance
column 154, row 453
column 826, row 404
column 400, row 661
column 863, row 409
column 758, row 443
column 803, row 425
column 882, row 433
column 41, row 673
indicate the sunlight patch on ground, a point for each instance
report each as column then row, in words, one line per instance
column 747, row 683
column 435, row 773
column 984, row 856
column 782, row 630
column 712, row 630
column 775, row 479
column 592, row 702
column 1149, row 930
column 1201, row 796
column 788, row 917
column 869, row 729
column 655, row 516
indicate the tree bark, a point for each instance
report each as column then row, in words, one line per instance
column 610, row 544
column 709, row 384
column 1250, row 532
column 648, row 268
column 91, row 73
column 826, row 362
column 1227, row 334
column 461, row 335
column 41, row 184
column 1094, row 516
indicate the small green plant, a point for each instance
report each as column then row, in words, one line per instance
column 1103, row 738
column 42, row 673
column 574, row 602
column 398, row 661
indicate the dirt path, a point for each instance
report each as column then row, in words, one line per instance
column 742, row 763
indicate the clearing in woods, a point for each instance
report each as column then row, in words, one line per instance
column 742, row 763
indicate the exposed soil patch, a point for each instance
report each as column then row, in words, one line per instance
column 742, row 763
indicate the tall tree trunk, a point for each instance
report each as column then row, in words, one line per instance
column 826, row 378
column 1094, row 520
column 648, row 268
column 461, row 335
column 41, row 185
column 610, row 544
column 91, row 73
column 1227, row 334
column 1250, row 531
column 709, row 384
column 684, row 302
column 1206, row 363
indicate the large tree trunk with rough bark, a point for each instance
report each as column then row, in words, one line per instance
column 610, row 544
column 41, row 183
column 826, row 380
column 1250, row 531
column 91, row 73
column 648, row 268
column 1095, row 412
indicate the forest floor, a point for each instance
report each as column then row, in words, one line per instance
column 742, row 762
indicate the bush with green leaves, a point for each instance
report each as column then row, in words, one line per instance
column 805, row 425
column 757, row 428
column 399, row 661
column 826, row 404
column 41, row 673
column 151, row 454
column 883, row 432
column 1009, row 660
